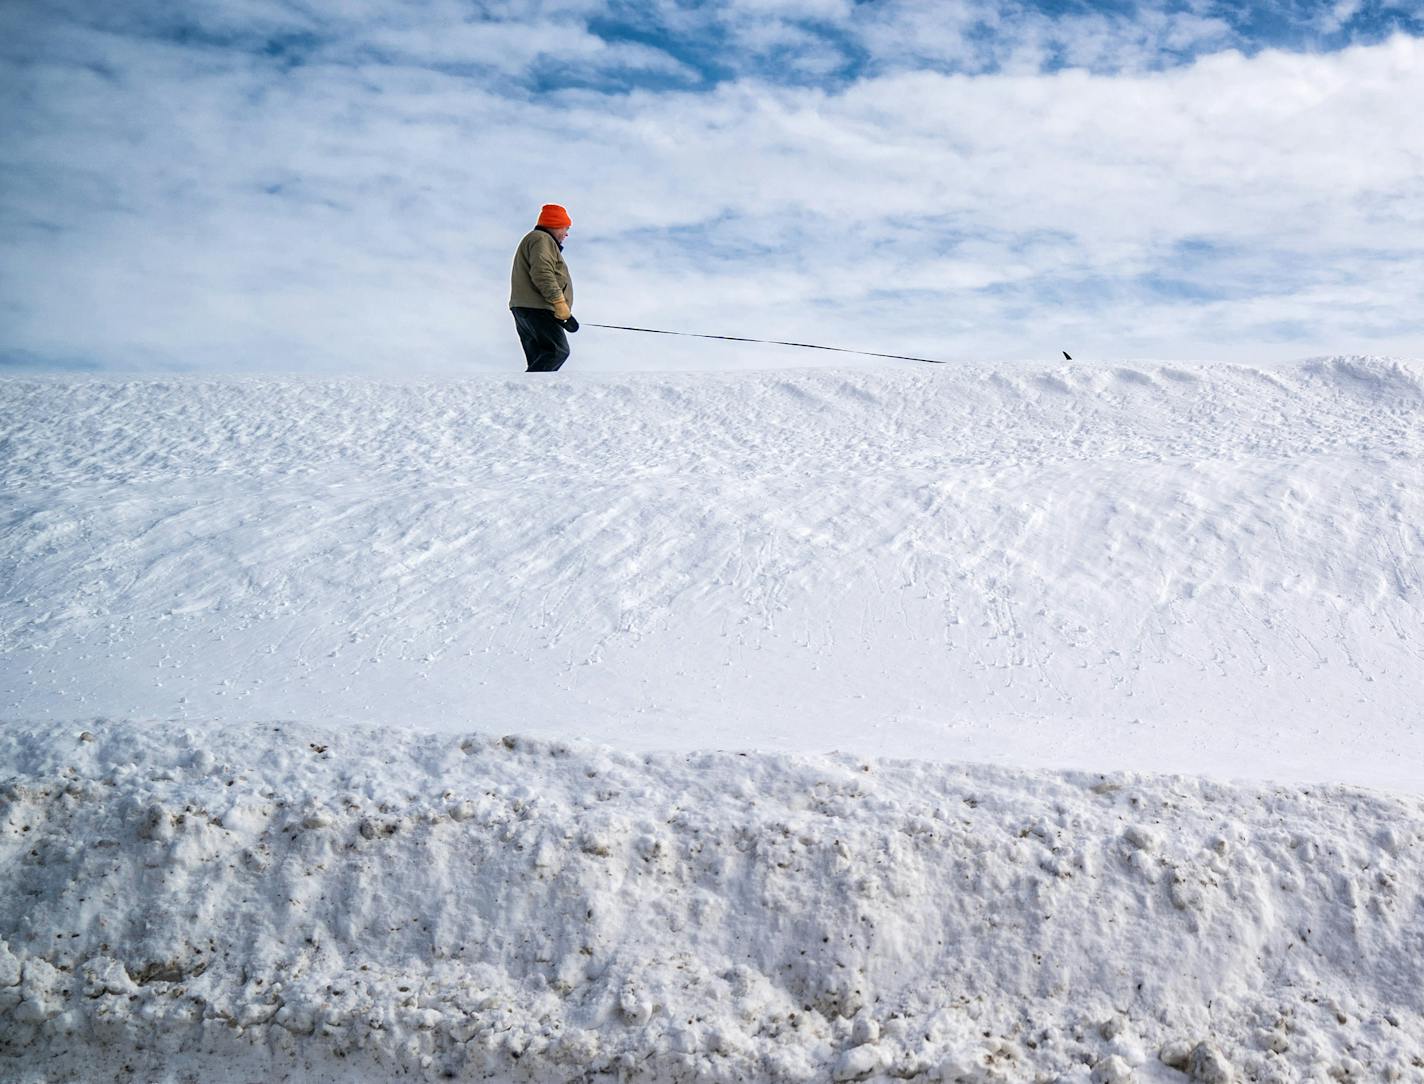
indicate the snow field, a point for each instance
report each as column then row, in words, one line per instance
column 1124, row 666
column 348, row 904
column 1212, row 569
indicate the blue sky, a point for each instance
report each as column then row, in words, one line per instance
column 334, row 187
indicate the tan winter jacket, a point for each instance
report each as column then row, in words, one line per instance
column 540, row 275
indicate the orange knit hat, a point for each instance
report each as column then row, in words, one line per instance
column 554, row 217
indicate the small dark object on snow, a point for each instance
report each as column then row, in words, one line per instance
column 1068, row 355
column 570, row 325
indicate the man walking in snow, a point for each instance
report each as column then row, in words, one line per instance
column 541, row 293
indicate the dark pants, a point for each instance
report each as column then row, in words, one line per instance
column 546, row 347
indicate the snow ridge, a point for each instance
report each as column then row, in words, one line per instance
column 355, row 905
column 79, row 430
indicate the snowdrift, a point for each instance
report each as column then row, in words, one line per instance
column 1211, row 570
column 295, row 903
column 1123, row 666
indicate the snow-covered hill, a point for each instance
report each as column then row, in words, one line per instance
column 261, row 643
column 1214, row 570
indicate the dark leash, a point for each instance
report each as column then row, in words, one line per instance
column 768, row 342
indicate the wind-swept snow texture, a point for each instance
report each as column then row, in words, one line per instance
column 1213, row 570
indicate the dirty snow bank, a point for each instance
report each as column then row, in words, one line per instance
column 322, row 904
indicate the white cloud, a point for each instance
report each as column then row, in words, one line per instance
column 1340, row 13
column 508, row 48
column 976, row 37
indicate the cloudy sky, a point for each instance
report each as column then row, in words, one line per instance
column 337, row 186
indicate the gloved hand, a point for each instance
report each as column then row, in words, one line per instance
column 571, row 325
column 561, row 310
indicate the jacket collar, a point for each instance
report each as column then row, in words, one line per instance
column 545, row 229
